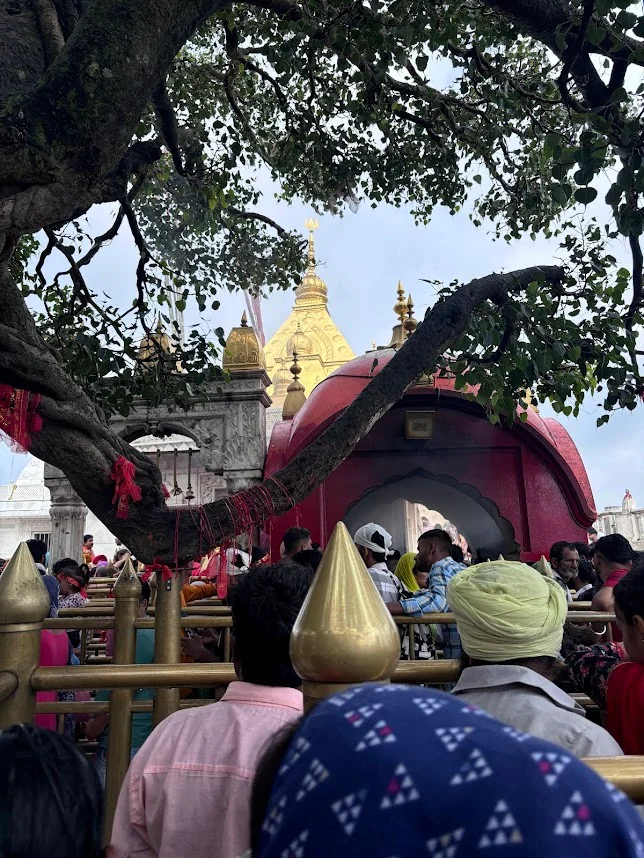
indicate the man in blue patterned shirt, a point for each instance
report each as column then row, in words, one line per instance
column 434, row 556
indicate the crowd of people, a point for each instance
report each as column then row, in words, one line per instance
column 378, row 770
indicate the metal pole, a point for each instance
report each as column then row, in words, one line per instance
column 24, row 603
column 167, row 641
column 127, row 594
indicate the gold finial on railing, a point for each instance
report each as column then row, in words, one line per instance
column 24, row 603
column 400, row 306
column 344, row 634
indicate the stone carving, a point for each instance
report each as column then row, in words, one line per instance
column 210, row 487
column 243, row 454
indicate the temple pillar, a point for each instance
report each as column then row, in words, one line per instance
column 68, row 514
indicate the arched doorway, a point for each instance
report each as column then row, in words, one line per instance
column 475, row 517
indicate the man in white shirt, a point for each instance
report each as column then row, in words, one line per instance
column 374, row 546
column 510, row 619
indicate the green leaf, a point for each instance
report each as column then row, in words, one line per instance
column 559, row 194
column 585, row 195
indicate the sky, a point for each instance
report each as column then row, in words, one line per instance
column 361, row 258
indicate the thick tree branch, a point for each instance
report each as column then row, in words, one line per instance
column 76, row 439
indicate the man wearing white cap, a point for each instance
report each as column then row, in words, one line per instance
column 374, row 546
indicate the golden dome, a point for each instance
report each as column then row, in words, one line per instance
column 299, row 343
column 312, row 289
column 150, row 344
column 243, row 351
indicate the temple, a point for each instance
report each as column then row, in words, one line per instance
column 321, row 347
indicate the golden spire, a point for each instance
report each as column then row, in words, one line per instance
column 243, row 351
column 410, row 324
column 400, row 308
column 295, row 393
column 23, row 596
column 344, row 633
column 312, row 290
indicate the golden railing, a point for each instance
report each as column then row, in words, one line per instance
column 24, row 603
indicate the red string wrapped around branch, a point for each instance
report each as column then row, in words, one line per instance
column 125, row 488
column 157, row 566
column 18, row 417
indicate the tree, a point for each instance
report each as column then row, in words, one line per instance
column 170, row 108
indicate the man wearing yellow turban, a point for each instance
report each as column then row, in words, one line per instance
column 510, row 620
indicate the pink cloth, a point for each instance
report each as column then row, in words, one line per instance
column 187, row 791
column 54, row 652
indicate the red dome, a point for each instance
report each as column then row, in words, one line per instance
column 338, row 390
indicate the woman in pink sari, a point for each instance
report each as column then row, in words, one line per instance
column 54, row 652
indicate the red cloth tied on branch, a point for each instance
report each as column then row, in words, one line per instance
column 157, row 566
column 18, row 417
column 125, row 489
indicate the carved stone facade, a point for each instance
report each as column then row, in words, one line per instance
column 68, row 514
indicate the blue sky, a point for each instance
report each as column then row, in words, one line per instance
column 362, row 256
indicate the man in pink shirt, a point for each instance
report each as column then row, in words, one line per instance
column 187, row 792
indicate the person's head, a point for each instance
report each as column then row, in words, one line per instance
column 349, row 780
column 629, row 611
column 264, row 606
column 296, row 539
column 392, row 560
column 120, row 554
column 373, row 544
column 583, row 549
column 592, row 535
column 88, row 541
column 586, row 574
column 64, row 564
column 610, row 553
column 70, row 581
column 315, row 546
column 506, row 611
column 38, row 550
column 51, row 801
column 456, row 553
column 144, row 598
column 433, row 545
column 311, row 558
column 564, row 559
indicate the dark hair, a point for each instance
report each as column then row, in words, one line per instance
column 121, row 553
column 583, row 549
column 264, row 608
column 294, row 535
column 38, row 549
column 316, row 546
column 615, row 548
column 75, row 574
column 457, row 553
column 87, row 536
column 591, row 531
column 269, row 764
column 394, row 555
column 557, row 550
column 146, row 592
column 52, row 802
column 629, row 595
column 65, row 563
column 438, row 535
column 379, row 539
column 586, row 573
column 310, row 558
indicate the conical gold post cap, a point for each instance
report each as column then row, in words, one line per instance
column 344, row 632
column 127, row 584
column 23, row 596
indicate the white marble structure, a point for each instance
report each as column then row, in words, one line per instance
column 625, row 519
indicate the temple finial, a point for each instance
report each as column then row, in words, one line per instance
column 244, row 320
column 410, row 324
column 400, row 306
column 295, row 392
column 311, row 224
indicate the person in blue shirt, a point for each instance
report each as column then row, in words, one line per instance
column 434, row 557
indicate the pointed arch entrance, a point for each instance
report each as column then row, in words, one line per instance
column 477, row 518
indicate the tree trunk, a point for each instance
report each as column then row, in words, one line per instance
column 76, row 439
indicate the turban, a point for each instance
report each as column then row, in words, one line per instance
column 507, row 610
column 363, row 536
column 405, row 574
